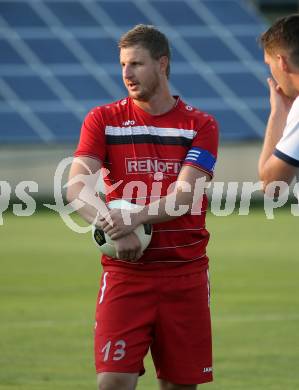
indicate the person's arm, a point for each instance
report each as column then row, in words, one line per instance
column 83, row 178
column 84, row 175
column 188, row 191
column 272, row 168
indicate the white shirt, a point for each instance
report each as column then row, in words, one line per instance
column 287, row 148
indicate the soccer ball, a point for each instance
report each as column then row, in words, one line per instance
column 106, row 244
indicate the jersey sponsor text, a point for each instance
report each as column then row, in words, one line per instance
column 152, row 165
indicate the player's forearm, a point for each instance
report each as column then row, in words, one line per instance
column 273, row 134
column 167, row 208
column 89, row 214
column 92, row 207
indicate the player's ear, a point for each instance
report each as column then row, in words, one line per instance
column 163, row 64
column 283, row 63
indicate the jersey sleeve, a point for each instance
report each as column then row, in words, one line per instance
column 287, row 148
column 203, row 151
column 92, row 138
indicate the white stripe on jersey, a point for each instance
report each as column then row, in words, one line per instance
column 174, row 246
column 178, row 230
column 162, row 261
column 150, row 130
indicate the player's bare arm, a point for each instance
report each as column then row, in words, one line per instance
column 84, row 174
column 272, row 168
column 182, row 195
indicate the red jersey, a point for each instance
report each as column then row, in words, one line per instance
column 143, row 154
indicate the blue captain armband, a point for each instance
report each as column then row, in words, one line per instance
column 202, row 158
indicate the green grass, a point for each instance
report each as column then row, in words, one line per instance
column 49, row 281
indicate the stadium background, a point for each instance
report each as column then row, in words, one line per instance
column 57, row 60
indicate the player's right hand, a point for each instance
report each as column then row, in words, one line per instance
column 128, row 248
column 279, row 102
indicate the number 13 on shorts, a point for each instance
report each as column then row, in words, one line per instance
column 116, row 351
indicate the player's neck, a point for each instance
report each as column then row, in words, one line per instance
column 158, row 104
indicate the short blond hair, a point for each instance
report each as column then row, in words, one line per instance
column 283, row 34
column 149, row 38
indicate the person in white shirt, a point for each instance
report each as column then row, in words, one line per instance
column 279, row 159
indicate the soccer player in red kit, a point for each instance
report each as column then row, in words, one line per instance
column 156, row 149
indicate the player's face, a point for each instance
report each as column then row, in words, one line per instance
column 279, row 73
column 141, row 73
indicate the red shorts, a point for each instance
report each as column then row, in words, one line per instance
column 169, row 315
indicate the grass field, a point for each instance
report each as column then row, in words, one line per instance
column 49, row 280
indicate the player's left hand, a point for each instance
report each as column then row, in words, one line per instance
column 128, row 248
column 119, row 222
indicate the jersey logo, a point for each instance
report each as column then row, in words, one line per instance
column 152, row 165
column 128, row 123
